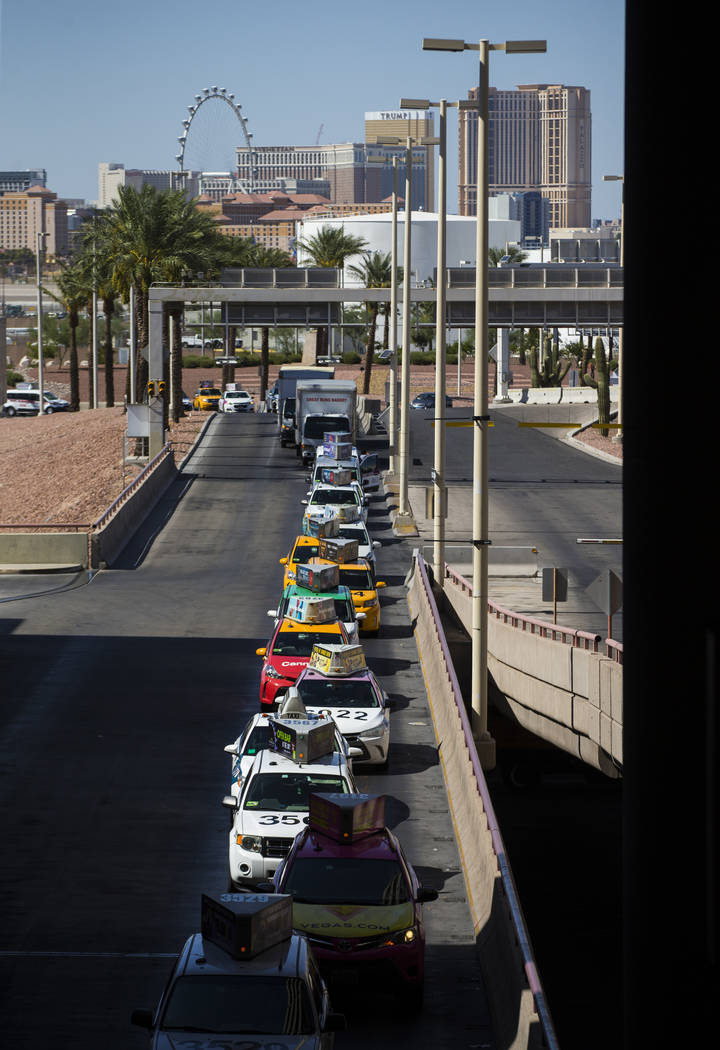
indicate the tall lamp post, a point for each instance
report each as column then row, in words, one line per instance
column 393, row 325
column 620, row 178
column 404, row 442
column 481, row 541
column 439, row 453
column 40, row 248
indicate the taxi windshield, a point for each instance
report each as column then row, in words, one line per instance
column 209, row 391
column 300, row 643
column 356, row 579
column 290, row 791
column 239, row 1003
column 334, row 496
column 338, row 692
column 347, row 880
column 304, row 552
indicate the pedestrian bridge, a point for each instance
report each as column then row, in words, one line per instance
column 583, row 295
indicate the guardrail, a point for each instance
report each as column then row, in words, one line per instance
column 137, row 481
column 507, row 933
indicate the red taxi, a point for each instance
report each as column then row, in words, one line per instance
column 288, row 652
column 357, row 898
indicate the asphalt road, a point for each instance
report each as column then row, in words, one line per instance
column 118, row 696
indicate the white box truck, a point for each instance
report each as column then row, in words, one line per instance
column 288, row 378
column 321, row 406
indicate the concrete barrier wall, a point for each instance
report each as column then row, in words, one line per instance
column 109, row 541
column 501, row 939
column 567, row 695
column 44, row 548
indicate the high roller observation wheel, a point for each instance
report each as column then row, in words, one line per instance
column 229, row 99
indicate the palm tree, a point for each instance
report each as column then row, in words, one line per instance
column 513, row 253
column 149, row 236
column 375, row 272
column 72, row 286
column 330, row 248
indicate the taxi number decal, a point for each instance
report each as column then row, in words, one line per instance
column 272, row 819
column 360, row 716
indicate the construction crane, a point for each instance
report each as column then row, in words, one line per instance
column 320, row 131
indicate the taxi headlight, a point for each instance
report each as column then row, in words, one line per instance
column 251, row 843
column 370, row 603
column 407, row 936
column 373, row 731
column 270, row 672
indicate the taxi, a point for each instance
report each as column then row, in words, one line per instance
column 288, row 652
column 272, row 808
column 303, row 549
column 357, row 898
column 337, row 680
column 341, row 596
column 246, row 980
column 207, row 399
column 338, row 498
column 256, row 737
column 358, row 576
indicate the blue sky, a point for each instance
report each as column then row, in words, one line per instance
column 82, row 83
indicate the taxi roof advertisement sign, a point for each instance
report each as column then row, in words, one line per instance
column 347, row 818
column 311, row 610
column 245, row 924
column 316, row 576
column 321, row 525
column 337, row 659
column 339, row 550
column 302, row 740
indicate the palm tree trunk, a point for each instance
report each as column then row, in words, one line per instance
column 264, row 361
column 109, row 309
column 74, row 375
column 370, row 352
column 176, row 353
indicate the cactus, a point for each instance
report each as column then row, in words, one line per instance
column 603, row 366
column 554, row 368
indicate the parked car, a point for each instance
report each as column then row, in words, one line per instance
column 427, row 400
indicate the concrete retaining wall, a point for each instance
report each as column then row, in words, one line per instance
column 501, row 940
column 110, row 540
column 44, row 548
column 569, row 696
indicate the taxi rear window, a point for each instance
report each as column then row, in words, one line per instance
column 304, row 552
column 356, row 579
column 333, row 496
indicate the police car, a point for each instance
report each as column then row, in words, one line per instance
column 245, row 981
column 274, row 798
column 337, row 680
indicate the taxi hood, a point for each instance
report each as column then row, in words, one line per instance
column 248, row 1041
column 351, row 920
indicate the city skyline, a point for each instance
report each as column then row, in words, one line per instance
column 93, row 94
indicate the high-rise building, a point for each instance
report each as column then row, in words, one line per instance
column 24, row 214
column 356, row 172
column 538, row 139
column 111, row 176
column 415, row 123
column 20, row 181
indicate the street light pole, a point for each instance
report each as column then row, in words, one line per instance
column 481, row 540
column 392, row 428
column 40, row 247
column 620, row 178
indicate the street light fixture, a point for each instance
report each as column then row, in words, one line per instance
column 481, row 541
column 40, row 248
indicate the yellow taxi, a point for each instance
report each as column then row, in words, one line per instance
column 358, row 577
column 207, row 399
column 303, row 549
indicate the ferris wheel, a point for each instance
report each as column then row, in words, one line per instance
column 215, row 93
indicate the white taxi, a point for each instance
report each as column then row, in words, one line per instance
column 272, row 808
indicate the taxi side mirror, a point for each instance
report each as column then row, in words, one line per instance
column 379, row 584
column 283, row 561
column 304, row 502
column 143, row 1018
column 230, row 749
column 376, row 544
column 261, row 652
column 360, row 616
column 354, row 752
column 231, row 802
column 272, row 612
column 425, row 896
